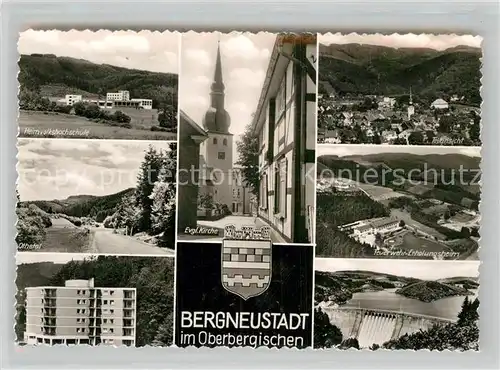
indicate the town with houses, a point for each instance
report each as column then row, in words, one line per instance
column 398, row 120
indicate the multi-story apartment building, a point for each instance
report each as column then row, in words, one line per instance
column 285, row 124
column 79, row 313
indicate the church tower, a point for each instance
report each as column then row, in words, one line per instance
column 411, row 108
column 217, row 150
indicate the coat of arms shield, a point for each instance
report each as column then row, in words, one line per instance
column 246, row 266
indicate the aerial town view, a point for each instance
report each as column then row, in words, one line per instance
column 398, row 202
column 376, row 89
column 73, row 86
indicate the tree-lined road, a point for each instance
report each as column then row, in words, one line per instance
column 104, row 241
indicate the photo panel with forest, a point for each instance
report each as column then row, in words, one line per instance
column 96, row 196
column 98, row 84
column 81, row 299
column 406, row 202
column 399, row 89
column 247, row 134
column 396, row 304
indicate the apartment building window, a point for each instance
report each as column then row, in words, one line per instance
column 111, row 292
column 105, row 301
column 222, row 155
column 105, row 321
column 112, row 321
column 234, row 192
column 224, row 142
column 78, row 292
column 112, row 302
column 215, row 140
column 112, row 311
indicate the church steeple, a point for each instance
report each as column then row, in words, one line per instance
column 217, row 119
column 411, row 100
column 218, row 84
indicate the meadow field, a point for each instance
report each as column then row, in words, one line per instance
column 43, row 124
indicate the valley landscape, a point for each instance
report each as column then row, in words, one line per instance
column 137, row 220
column 397, row 305
column 398, row 204
column 75, row 98
column 372, row 94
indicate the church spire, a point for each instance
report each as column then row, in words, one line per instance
column 411, row 100
column 218, row 84
column 217, row 118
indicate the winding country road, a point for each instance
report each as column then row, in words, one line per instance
column 104, row 241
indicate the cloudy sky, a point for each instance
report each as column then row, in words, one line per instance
column 35, row 257
column 348, row 149
column 146, row 50
column 420, row 269
column 410, row 40
column 245, row 58
column 56, row 169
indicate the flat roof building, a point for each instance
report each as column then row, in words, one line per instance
column 79, row 313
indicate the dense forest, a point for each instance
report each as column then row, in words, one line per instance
column 152, row 277
column 369, row 69
column 334, row 210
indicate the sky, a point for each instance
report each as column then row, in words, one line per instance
column 34, row 257
column 245, row 57
column 56, row 169
column 409, row 40
column 420, row 269
column 348, row 149
column 145, row 50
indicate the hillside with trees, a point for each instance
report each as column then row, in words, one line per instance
column 46, row 75
column 148, row 210
column 462, row 335
column 370, row 69
column 152, row 277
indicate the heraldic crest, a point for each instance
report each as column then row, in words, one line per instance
column 246, row 260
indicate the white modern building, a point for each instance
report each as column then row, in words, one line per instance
column 72, row 99
column 113, row 100
column 120, row 95
column 79, row 313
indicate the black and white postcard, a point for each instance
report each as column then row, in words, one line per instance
column 395, row 304
column 399, row 89
column 404, row 202
column 98, row 85
column 78, row 299
column 247, row 134
column 96, row 196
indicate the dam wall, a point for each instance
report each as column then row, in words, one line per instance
column 378, row 326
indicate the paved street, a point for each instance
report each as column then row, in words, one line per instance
column 104, row 241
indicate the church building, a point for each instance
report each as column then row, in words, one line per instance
column 216, row 153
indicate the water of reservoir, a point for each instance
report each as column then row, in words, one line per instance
column 446, row 308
